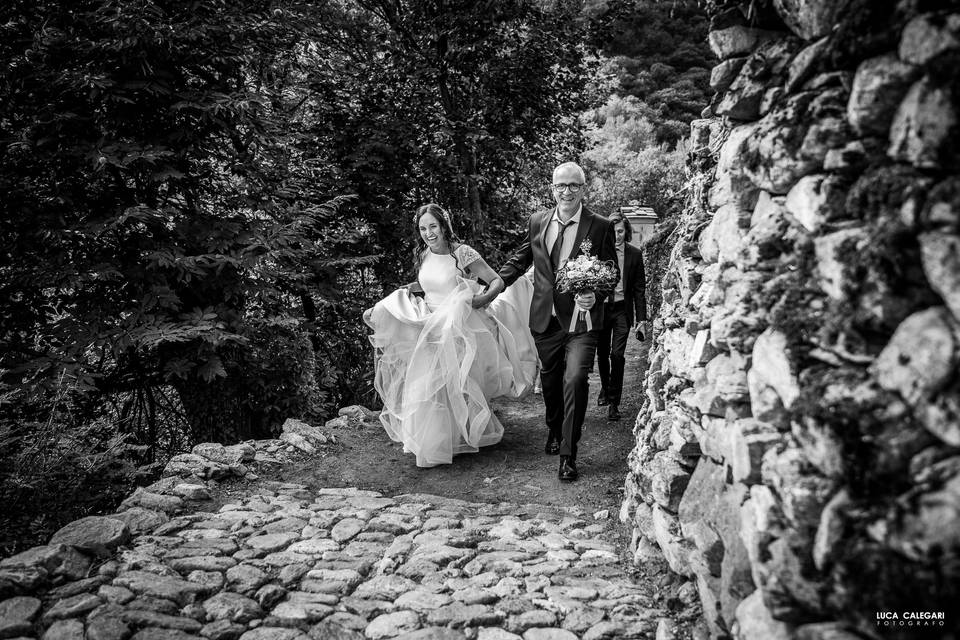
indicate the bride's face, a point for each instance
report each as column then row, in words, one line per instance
column 432, row 232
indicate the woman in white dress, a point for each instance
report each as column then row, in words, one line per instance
column 440, row 358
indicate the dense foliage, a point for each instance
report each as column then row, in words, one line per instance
column 470, row 107
column 657, row 51
column 625, row 163
column 152, row 207
column 200, row 197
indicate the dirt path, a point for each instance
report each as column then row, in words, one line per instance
column 514, row 470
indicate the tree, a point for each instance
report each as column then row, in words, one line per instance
column 155, row 219
column 625, row 163
column 172, row 172
column 658, row 51
column 461, row 103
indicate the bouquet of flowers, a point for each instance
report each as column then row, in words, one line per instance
column 586, row 273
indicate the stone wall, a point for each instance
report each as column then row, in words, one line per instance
column 798, row 451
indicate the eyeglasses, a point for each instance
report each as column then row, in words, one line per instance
column 574, row 187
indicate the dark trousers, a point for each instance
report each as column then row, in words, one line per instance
column 610, row 350
column 566, row 360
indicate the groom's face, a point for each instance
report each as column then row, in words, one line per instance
column 567, row 200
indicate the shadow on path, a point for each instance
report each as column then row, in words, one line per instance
column 514, row 470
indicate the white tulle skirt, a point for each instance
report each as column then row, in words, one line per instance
column 436, row 368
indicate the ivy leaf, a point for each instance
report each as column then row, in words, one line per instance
column 211, row 369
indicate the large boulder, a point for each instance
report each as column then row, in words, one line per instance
column 193, row 465
column 927, row 36
column 669, row 479
column 140, row 520
column 763, row 68
column 737, row 39
column 723, row 384
column 940, row 253
column 768, row 236
column 834, row 253
column 928, row 523
column 152, row 501
column 918, row 362
column 677, row 345
column 761, row 522
column 924, row 127
column 227, row 455
column 17, row 615
column 676, row 549
column 810, row 19
column 772, row 366
column 709, row 519
column 697, row 513
column 302, row 436
column 730, row 224
column 878, row 87
column 29, row 570
column 749, row 441
column 805, row 63
column 732, row 184
column 920, row 358
column 97, row 535
column 755, row 622
column 803, row 494
column 816, row 200
column 724, row 73
column 145, row 583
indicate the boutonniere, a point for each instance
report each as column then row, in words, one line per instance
column 585, row 246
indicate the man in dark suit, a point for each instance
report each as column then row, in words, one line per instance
column 566, row 357
column 624, row 307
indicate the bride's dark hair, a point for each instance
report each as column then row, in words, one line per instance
column 446, row 229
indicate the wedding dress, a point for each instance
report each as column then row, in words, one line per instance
column 439, row 360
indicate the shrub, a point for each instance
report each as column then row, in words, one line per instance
column 60, row 469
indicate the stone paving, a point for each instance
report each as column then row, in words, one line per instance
column 289, row 563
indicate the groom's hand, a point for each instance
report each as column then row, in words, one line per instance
column 585, row 301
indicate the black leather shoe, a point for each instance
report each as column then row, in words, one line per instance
column 552, row 447
column 613, row 413
column 602, row 398
column 568, row 469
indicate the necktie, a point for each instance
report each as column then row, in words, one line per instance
column 558, row 244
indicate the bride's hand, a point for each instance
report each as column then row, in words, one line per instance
column 479, row 301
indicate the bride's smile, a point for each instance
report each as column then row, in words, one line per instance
column 432, row 234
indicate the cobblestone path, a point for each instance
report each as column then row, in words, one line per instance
column 288, row 563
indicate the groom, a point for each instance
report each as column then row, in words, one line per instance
column 553, row 237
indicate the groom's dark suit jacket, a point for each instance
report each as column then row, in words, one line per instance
column 534, row 250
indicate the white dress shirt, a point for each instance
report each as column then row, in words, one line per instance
column 569, row 236
column 618, row 291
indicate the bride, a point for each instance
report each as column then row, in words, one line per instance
column 440, row 358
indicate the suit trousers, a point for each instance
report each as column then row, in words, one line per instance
column 566, row 360
column 611, row 348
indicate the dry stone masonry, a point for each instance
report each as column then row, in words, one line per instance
column 798, row 452
column 280, row 561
